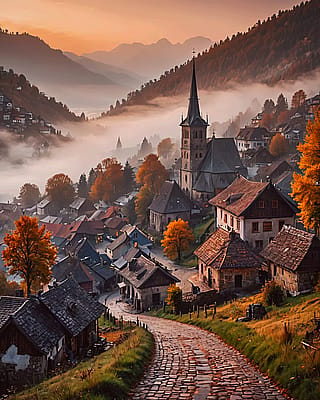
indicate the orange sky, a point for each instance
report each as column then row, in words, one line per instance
column 89, row 25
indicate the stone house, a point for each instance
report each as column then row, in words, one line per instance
column 169, row 205
column 118, row 247
column 31, row 341
column 294, row 259
column 255, row 210
column 144, row 283
column 251, row 138
column 227, row 263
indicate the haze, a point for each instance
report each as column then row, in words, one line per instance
column 83, row 25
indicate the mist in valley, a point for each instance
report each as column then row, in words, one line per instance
column 96, row 139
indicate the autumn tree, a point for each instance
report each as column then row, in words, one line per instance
column 152, row 173
column 165, row 147
column 282, row 104
column 29, row 195
column 174, row 298
column 177, row 238
column 7, row 288
column 29, row 252
column 60, row 190
column 83, row 186
column 267, row 121
column 142, row 202
column 306, row 186
column 278, row 145
column 268, row 106
column 298, row 99
column 108, row 185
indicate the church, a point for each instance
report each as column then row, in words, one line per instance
column 208, row 165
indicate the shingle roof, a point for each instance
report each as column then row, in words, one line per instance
column 270, row 170
column 140, row 270
column 251, row 133
column 223, row 250
column 114, row 223
column 237, row 197
column 72, row 306
column 9, row 305
column 289, row 247
column 71, row 266
column 171, row 199
column 77, row 203
column 118, row 242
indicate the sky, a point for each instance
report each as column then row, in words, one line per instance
column 89, row 25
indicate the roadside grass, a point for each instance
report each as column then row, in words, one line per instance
column 275, row 350
column 114, row 373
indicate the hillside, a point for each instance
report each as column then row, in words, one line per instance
column 150, row 60
column 23, row 94
column 280, row 48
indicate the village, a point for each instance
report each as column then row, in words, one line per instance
column 235, row 192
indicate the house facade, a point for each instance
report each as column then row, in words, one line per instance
column 227, row 263
column 255, row 210
column 294, row 260
column 251, row 138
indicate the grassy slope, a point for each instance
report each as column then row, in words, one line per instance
column 263, row 341
column 115, row 372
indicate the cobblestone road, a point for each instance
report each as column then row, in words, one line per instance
column 191, row 363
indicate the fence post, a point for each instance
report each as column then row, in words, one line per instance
column 205, row 311
column 214, row 309
column 198, row 311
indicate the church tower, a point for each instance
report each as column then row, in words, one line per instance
column 193, row 139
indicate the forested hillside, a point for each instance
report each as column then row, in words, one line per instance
column 283, row 47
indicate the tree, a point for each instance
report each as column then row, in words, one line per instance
column 268, row 106
column 267, row 121
column 177, row 239
column 29, row 252
column 298, row 99
column 273, row 294
column 283, row 117
column 29, row 195
column 165, row 147
column 83, row 186
column 128, row 178
column 143, row 201
column 60, row 190
column 91, row 178
column 306, row 187
column 7, row 288
column 174, row 298
column 145, row 148
column 278, row 145
column 282, row 104
column 152, row 173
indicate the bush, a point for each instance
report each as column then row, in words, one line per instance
column 273, row 294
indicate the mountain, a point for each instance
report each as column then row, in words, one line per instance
column 119, row 76
column 150, row 60
column 282, row 47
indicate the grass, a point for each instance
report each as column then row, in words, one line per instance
column 275, row 350
column 109, row 375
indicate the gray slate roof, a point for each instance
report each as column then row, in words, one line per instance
column 8, row 306
column 170, row 200
column 252, row 133
column 72, row 306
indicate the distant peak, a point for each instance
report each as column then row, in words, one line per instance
column 163, row 41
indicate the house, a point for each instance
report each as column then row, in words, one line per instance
column 227, row 263
column 112, row 211
column 46, row 207
column 81, row 206
column 137, row 237
column 118, row 247
column 77, row 312
column 294, row 259
column 113, row 225
column 93, row 230
column 31, row 341
column 253, row 159
column 255, row 210
column 170, row 204
column 273, row 171
column 145, row 283
column 251, row 138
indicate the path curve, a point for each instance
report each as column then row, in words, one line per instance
column 191, row 363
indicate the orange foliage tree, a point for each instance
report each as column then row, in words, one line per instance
column 109, row 184
column 174, row 298
column 306, row 187
column 29, row 194
column 165, row 147
column 177, row 238
column 7, row 288
column 152, row 173
column 29, row 252
column 278, row 145
column 60, row 190
column 267, row 121
column 142, row 202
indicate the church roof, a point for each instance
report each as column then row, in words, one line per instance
column 219, row 165
column 171, row 199
column 193, row 116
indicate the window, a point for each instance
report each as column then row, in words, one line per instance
column 200, row 134
column 238, row 225
column 195, row 135
column 186, row 178
column 267, row 226
column 274, row 204
column 259, row 244
column 221, row 213
column 261, row 204
column 200, row 155
column 255, row 227
column 231, row 221
column 274, row 270
column 196, row 155
column 225, row 218
column 201, row 268
column 281, row 223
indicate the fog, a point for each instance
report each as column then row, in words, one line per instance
column 95, row 140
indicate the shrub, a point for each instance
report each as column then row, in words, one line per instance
column 273, row 294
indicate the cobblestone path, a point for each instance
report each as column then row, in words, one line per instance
column 191, row 363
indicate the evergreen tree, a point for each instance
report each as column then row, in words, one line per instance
column 268, row 106
column 282, row 104
column 83, row 186
column 91, row 178
column 128, row 178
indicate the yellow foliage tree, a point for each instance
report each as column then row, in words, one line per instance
column 177, row 238
column 306, row 187
column 29, row 252
column 278, row 145
column 174, row 298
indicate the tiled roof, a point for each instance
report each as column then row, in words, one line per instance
column 118, row 242
column 72, row 306
column 71, row 266
column 114, row 223
column 87, row 227
column 9, row 305
column 237, row 197
column 171, row 199
column 270, row 170
column 59, row 230
column 289, row 247
column 251, row 133
column 77, row 203
column 225, row 250
column 111, row 211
